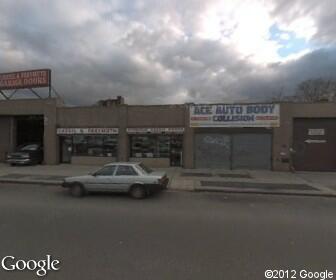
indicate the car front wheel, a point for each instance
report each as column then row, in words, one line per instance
column 77, row 190
column 138, row 192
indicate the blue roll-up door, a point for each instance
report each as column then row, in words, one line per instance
column 212, row 150
column 251, row 151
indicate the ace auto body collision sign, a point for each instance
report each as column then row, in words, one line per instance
column 25, row 79
column 235, row 115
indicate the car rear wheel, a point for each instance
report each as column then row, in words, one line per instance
column 138, row 192
column 77, row 190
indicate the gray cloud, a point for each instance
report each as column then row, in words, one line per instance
column 322, row 12
column 100, row 49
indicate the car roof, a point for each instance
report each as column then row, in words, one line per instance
column 124, row 163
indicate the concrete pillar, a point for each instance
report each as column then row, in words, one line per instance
column 123, row 139
column 282, row 141
column 50, row 139
column 188, row 141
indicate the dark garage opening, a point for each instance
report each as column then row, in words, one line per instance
column 29, row 129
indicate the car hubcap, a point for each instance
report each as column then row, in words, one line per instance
column 137, row 193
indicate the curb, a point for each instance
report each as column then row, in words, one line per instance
column 39, row 182
column 196, row 189
column 255, row 191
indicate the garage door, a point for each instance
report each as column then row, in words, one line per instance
column 235, row 151
column 314, row 143
column 251, row 151
column 212, row 151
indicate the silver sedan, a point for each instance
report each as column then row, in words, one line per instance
column 134, row 178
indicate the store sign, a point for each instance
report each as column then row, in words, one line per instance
column 25, row 79
column 235, row 115
column 91, row 130
column 156, row 130
column 314, row 141
column 316, row 131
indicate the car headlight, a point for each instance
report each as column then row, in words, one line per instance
column 25, row 156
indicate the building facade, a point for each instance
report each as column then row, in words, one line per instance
column 269, row 136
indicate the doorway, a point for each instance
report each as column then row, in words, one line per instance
column 66, row 149
column 176, row 148
column 29, row 129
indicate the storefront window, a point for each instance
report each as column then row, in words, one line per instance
column 80, row 145
column 143, row 146
column 155, row 146
column 95, row 145
column 110, row 146
column 163, row 146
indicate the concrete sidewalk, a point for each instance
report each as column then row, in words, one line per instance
column 214, row 180
column 256, row 181
column 42, row 174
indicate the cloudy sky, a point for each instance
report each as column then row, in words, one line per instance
column 170, row 51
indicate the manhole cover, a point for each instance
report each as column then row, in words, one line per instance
column 263, row 186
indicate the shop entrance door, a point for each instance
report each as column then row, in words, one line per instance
column 314, row 144
column 66, row 149
column 176, row 150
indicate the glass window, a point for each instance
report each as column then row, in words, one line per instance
column 149, row 146
column 95, row 145
column 126, row 170
column 110, row 145
column 143, row 146
column 145, row 168
column 106, row 171
column 163, row 146
column 156, row 146
column 80, row 145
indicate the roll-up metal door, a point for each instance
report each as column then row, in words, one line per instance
column 212, row 150
column 251, row 151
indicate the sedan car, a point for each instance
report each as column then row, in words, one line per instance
column 134, row 178
column 26, row 154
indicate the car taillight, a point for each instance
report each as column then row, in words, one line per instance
column 162, row 179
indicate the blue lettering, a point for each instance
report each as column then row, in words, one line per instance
column 260, row 109
column 203, row 110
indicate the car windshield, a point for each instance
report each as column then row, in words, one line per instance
column 145, row 168
column 30, row 147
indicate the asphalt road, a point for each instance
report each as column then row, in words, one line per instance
column 171, row 236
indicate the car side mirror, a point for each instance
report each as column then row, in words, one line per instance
column 92, row 173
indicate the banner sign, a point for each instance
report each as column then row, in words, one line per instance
column 90, row 131
column 235, row 115
column 156, row 130
column 25, row 79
